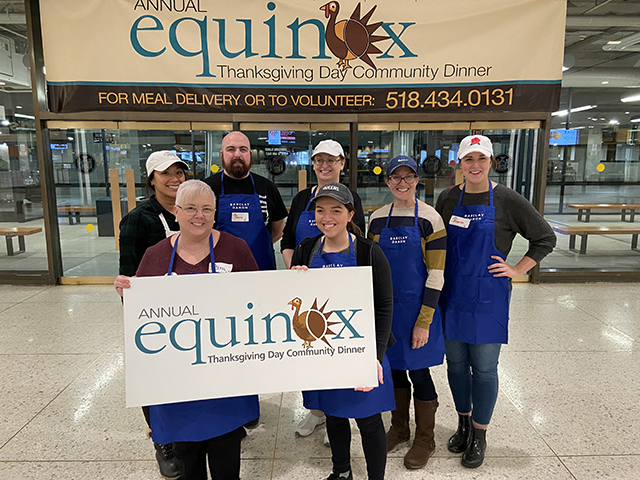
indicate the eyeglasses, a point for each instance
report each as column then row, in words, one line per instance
column 191, row 211
column 330, row 161
column 409, row 179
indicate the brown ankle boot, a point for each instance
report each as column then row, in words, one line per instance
column 399, row 431
column 424, row 443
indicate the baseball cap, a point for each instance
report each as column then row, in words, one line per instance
column 336, row 191
column 162, row 160
column 475, row 143
column 328, row 146
column 401, row 161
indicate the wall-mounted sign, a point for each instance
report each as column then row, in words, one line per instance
column 291, row 56
column 431, row 165
column 502, row 164
column 85, row 163
column 276, row 165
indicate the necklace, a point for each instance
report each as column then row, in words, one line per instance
column 190, row 252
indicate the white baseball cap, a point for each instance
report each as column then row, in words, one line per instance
column 475, row 143
column 162, row 160
column 328, row 146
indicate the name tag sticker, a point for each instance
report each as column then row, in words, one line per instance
column 240, row 217
column 459, row 221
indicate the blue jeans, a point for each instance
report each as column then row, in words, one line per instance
column 473, row 377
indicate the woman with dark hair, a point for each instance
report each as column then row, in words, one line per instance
column 143, row 227
column 328, row 162
column 340, row 245
column 482, row 219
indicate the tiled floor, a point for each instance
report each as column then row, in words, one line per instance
column 566, row 409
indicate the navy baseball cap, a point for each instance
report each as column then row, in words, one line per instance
column 401, row 161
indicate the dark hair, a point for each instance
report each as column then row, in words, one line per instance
column 150, row 187
column 352, row 227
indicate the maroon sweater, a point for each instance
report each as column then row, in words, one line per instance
column 229, row 249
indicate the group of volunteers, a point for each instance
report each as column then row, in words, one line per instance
column 441, row 286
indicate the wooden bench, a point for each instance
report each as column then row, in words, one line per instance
column 585, row 209
column 75, row 211
column 584, row 231
column 19, row 232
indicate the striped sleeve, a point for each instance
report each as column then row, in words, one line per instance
column 434, row 250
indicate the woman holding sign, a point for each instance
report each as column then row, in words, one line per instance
column 413, row 238
column 340, row 245
column 482, row 219
column 328, row 162
column 205, row 430
column 143, row 227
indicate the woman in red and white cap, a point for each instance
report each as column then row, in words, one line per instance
column 482, row 219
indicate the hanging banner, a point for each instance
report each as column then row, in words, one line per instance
column 225, row 335
column 303, row 56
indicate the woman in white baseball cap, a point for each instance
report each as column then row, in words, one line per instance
column 482, row 219
column 328, row 161
column 143, row 227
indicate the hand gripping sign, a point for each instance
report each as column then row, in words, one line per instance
column 225, row 335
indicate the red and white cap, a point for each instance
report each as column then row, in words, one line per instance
column 475, row 143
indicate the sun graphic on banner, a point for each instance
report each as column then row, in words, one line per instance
column 313, row 324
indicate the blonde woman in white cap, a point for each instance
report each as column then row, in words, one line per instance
column 328, row 161
column 482, row 219
column 143, row 227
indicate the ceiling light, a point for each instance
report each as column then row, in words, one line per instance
column 613, row 122
column 18, row 106
column 626, row 113
column 605, row 83
column 602, row 118
column 2, row 83
column 635, row 120
column 564, row 69
column 563, row 113
column 19, row 115
column 630, row 98
column 614, row 42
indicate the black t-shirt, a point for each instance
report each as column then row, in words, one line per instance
column 299, row 204
column 273, row 208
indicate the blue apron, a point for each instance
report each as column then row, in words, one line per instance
column 202, row 419
column 403, row 248
column 474, row 303
column 346, row 402
column 241, row 215
column 306, row 226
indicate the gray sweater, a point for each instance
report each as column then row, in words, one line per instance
column 514, row 214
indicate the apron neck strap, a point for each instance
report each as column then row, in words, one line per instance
column 313, row 194
column 222, row 183
column 350, row 244
column 415, row 214
column 212, row 258
column 490, row 195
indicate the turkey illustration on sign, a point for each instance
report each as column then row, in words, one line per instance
column 352, row 38
column 313, row 324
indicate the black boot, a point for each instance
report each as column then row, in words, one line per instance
column 459, row 440
column 166, row 461
column 473, row 456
